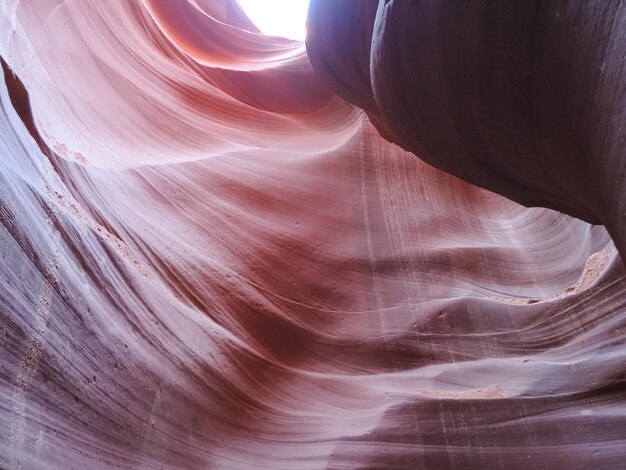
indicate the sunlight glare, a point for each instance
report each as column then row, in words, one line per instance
column 284, row 18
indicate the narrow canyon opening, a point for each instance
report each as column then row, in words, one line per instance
column 284, row 18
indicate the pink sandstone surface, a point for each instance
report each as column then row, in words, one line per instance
column 396, row 246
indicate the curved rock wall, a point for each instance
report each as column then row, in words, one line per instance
column 211, row 260
column 526, row 99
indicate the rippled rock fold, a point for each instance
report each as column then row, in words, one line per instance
column 394, row 246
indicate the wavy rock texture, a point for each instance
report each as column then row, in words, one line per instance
column 523, row 98
column 211, row 260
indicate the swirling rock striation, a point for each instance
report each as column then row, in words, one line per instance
column 210, row 259
column 523, row 98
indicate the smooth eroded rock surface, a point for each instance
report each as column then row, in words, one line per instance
column 211, row 260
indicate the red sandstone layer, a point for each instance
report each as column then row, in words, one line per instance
column 210, row 259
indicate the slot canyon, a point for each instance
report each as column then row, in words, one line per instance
column 396, row 244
